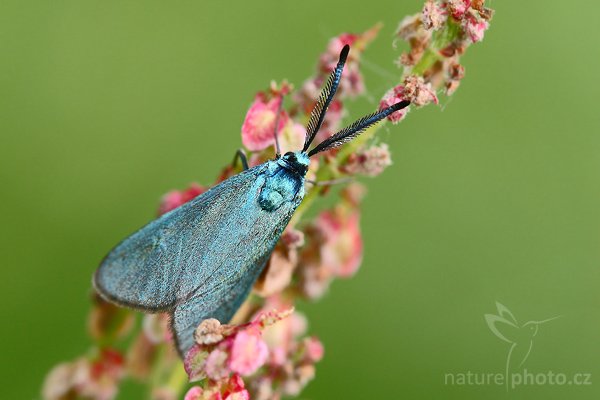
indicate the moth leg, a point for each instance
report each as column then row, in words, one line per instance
column 240, row 154
column 329, row 182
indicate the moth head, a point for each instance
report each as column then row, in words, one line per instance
column 298, row 161
column 345, row 135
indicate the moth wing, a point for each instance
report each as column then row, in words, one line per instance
column 237, row 256
column 187, row 316
column 161, row 264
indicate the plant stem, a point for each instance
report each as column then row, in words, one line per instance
column 440, row 40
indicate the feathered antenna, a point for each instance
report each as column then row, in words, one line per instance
column 317, row 114
column 358, row 127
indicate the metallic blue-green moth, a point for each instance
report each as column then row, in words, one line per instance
column 201, row 259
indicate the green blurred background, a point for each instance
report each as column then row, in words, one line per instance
column 106, row 105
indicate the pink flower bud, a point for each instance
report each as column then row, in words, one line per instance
column 216, row 364
column 292, row 238
column 249, row 352
column 434, row 16
column 458, row 8
column 194, row 363
column 342, row 250
column 259, row 125
column 314, row 276
column 336, row 44
column 475, row 26
column 392, row 97
column 195, row 393
column 278, row 356
column 369, row 162
column 235, row 389
column 419, row 92
column 292, row 137
column 314, row 349
column 210, row 331
column 236, row 383
column 278, row 272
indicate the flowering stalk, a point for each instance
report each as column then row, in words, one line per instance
column 264, row 352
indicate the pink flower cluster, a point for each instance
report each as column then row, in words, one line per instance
column 96, row 377
column 278, row 362
column 230, row 389
column 264, row 113
column 415, row 89
column 266, row 109
column 370, row 161
column 264, row 354
column 334, row 246
column 437, row 37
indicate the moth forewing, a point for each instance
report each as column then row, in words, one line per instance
column 200, row 260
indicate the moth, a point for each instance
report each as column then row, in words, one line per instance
column 201, row 259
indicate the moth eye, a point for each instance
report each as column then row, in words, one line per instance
column 291, row 157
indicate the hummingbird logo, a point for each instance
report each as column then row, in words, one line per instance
column 520, row 336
